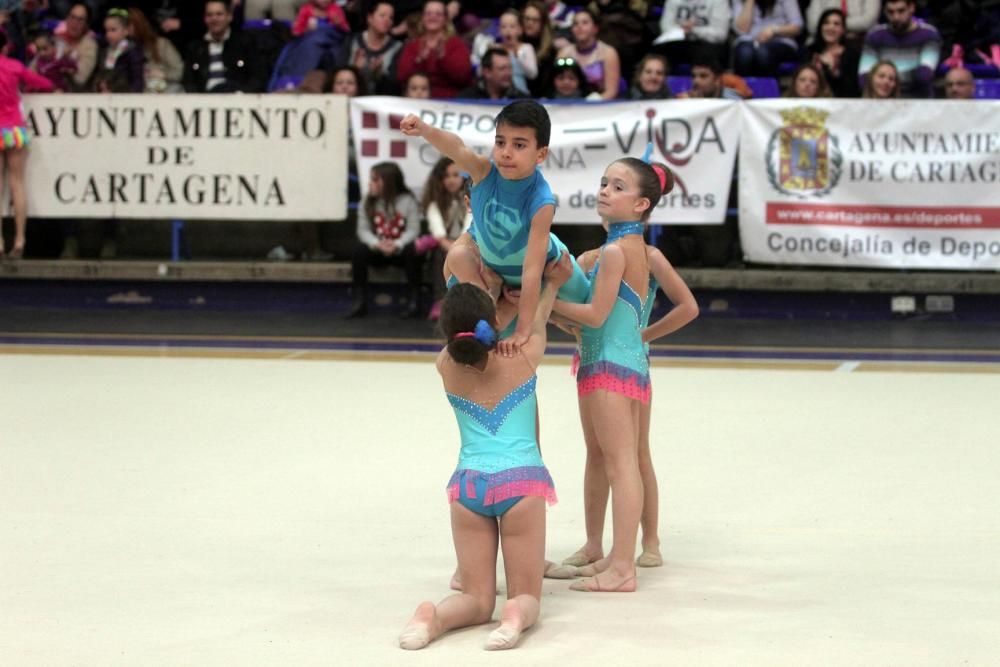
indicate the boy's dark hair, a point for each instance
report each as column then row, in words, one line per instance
column 708, row 62
column 227, row 3
column 649, row 181
column 527, row 113
column 492, row 53
column 464, row 306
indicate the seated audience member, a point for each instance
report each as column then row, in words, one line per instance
column 448, row 216
column 225, row 60
column 495, row 79
column 120, row 63
column 347, row 80
column 836, row 58
column 523, row 60
column 317, row 13
column 881, row 82
column 650, row 79
column 163, row 68
column 417, row 86
column 862, row 15
column 808, row 81
column 278, row 10
column 706, row 81
column 912, row 45
column 767, row 30
column 74, row 39
column 388, row 225
column 437, row 52
column 374, row 51
column 695, row 27
column 177, row 20
column 959, row 84
column 538, row 33
column 567, row 82
column 598, row 60
column 57, row 69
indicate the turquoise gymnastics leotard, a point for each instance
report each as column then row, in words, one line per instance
column 499, row 462
column 612, row 356
column 502, row 210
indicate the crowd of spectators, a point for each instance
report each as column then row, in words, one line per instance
column 488, row 49
column 597, row 50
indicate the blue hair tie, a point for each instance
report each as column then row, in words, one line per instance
column 485, row 333
column 647, row 157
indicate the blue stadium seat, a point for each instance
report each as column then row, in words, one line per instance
column 988, row 89
column 787, row 68
column 763, row 86
column 679, row 84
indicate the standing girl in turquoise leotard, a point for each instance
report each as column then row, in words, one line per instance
column 613, row 378
column 499, row 487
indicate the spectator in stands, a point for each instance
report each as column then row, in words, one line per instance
column 58, row 70
column 706, row 81
column 278, row 10
column 495, row 81
column 598, row 60
column 808, row 82
column 163, row 68
column 523, row 61
column 882, row 81
column 447, row 212
column 767, row 30
column 177, row 20
column 388, row 224
column 836, row 58
column 347, row 80
column 650, row 79
column 375, row 52
column 538, row 33
column 438, row 52
column 316, row 13
column 417, row 86
column 912, row 45
column 14, row 140
column 861, row 15
column 120, row 64
column 225, row 60
column 74, row 39
column 959, row 84
column 567, row 82
column 693, row 27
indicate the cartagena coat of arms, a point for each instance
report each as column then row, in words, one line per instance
column 803, row 158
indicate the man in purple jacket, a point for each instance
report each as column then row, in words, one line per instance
column 912, row 45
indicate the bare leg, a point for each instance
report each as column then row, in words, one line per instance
column 650, row 556
column 595, row 496
column 476, row 538
column 615, row 421
column 16, row 159
column 522, row 538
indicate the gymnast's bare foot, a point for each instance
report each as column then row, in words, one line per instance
column 456, row 581
column 421, row 629
column 509, row 632
column 554, row 571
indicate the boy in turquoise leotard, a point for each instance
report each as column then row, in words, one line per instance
column 512, row 209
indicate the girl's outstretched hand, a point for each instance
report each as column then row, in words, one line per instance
column 412, row 126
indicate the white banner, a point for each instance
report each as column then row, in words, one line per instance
column 905, row 184
column 696, row 138
column 236, row 157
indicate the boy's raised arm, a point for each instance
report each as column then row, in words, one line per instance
column 449, row 145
